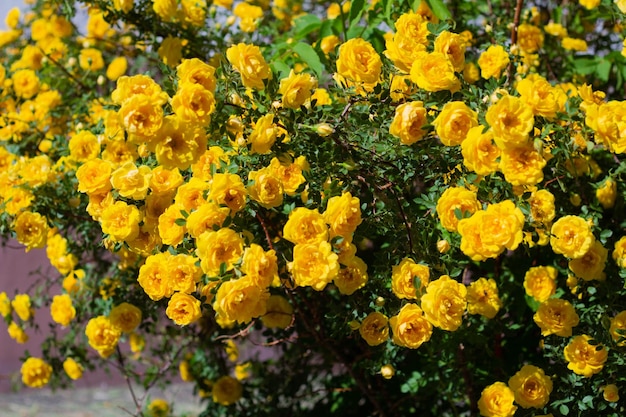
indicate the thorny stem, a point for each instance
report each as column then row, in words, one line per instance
column 267, row 233
column 120, row 359
column 516, row 19
column 62, row 68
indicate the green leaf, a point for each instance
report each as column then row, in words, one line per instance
column 603, row 70
column 585, row 66
column 305, row 24
column 356, row 9
column 439, row 9
column 563, row 409
column 310, row 57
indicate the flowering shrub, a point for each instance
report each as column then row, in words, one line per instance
column 309, row 208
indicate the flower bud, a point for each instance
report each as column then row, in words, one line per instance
column 443, row 246
column 324, row 129
column 610, row 393
column 387, row 371
column 380, row 301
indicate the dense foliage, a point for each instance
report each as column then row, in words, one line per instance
column 313, row 208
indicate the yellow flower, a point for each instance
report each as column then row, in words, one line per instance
column 240, row 300
column 13, row 18
column 374, row 329
column 329, row 43
column 584, row 358
column 263, row 135
column 444, row 303
column 170, row 51
column 314, row 265
column 260, row 266
column 290, row 174
column 573, row 44
column 266, row 189
column 127, row 87
column 279, row 313
column 452, row 45
column 542, row 208
column 137, row 343
column 522, row 165
column 17, row 333
column 228, row 190
column 178, row 144
column 140, row 116
column 343, row 214
column 84, row 146
column 618, row 328
column 90, row 59
column 482, row 298
column 206, row 217
column 190, row 195
column 511, row 122
column 352, row 277
column 454, row 122
column 537, row 93
column 387, row 371
column 249, row 15
column 590, row 266
column 125, row 317
column 227, row 390
column 434, row 72
column 610, row 393
column 555, row 29
column 496, row 400
column 607, row 193
column 249, row 62
column 36, row 372
column 531, row 387
column 170, row 231
column 408, row 122
column 405, row 276
column 123, row 5
column 102, row 335
column 159, row 407
column 5, row 304
column 224, row 246
column 121, row 221
column 183, row 309
column 401, row 88
column 31, row 229
column 305, row 226
column 73, row 369
column 619, row 252
column 479, row 151
column 453, row 199
column 22, row 306
column 529, row 38
column 62, row 310
column 131, row 181
column 540, row 282
column 358, row 64
column 571, row 236
column 194, row 11
column 193, row 103
column 296, row 89
column 117, row 68
column 410, row 38
column 25, row 83
column 195, row 71
column 184, row 273
column 154, row 276
column 165, row 9
column 556, row 316
column 410, row 328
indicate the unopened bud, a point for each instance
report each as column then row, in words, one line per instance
column 443, row 246
column 324, row 129
column 387, row 371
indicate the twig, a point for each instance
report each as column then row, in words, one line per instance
column 120, row 358
column 516, row 20
column 62, row 68
column 267, row 233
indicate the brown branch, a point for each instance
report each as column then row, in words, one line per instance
column 267, row 233
column 120, row 359
column 516, row 20
column 62, row 68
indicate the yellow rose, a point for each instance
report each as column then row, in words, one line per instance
column 556, row 316
column 121, row 221
column 537, row 93
column 571, row 236
column 62, row 310
column 314, row 265
column 131, row 181
column 224, row 246
column 279, row 313
column 140, row 116
column 531, row 387
column 171, row 51
column 352, row 277
column 194, row 11
column 374, row 328
column 184, row 273
column 102, row 335
column 590, row 266
column 511, row 122
column 190, row 195
column 296, row 89
column 480, row 154
column 410, row 328
column 227, row 390
column 607, row 193
column 159, row 407
column 183, row 309
column 573, row 44
column 290, row 174
column 540, row 282
column 454, row 122
column 542, row 207
column 90, row 59
column 619, row 252
column 17, row 333
column 193, row 103
column 522, row 165
column 260, row 266
column 453, row 199
column 206, row 217
column 305, row 226
column 84, row 146
column 263, row 135
column 25, row 83
column 170, row 230
column 140, row 84
column 401, row 88
column 73, row 369
column 165, row 9
column 329, row 43
column 610, row 393
column 404, row 277
column 22, row 306
column 31, row 229
column 117, row 68
column 209, row 162
column 240, row 300
column 35, row 372
column 123, row 5
column 584, row 358
column 125, row 317
column 444, row 303
column 618, row 328
column 482, row 298
column 5, row 304
column 266, row 189
column 410, row 38
column 358, row 64
column 496, row 400
column 452, row 45
column 195, row 71
column 343, row 214
column 154, row 276
column 529, row 38
column 408, row 122
column 434, row 72
column 228, row 190
column 249, row 62
column 165, row 181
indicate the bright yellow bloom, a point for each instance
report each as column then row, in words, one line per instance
column 62, row 310
column 531, row 386
column 496, row 400
column 584, row 358
column 296, row 89
column 444, row 303
column 571, row 236
column 352, row 277
column 410, row 328
column 249, row 62
column 358, row 64
column 125, row 317
column 240, row 300
column 183, row 309
column 102, row 335
column 493, row 61
column 408, row 122
column 314, row 264
column 36, row 372
column 454, row 122
column 482, row 298
column 374, row 328
column 73, row 369
column 540, row 282
column 22, row 306
column 434, row 72
column 556, row 316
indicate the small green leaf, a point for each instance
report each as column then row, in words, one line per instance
column 310, row 57
column 356, row 9
column 439, row 9
column 603, row 70
column 563, row 409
